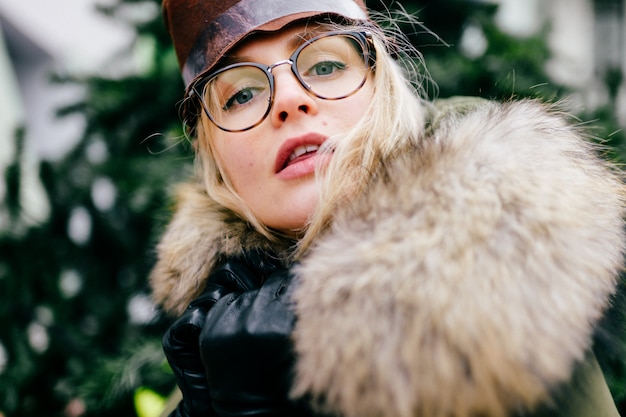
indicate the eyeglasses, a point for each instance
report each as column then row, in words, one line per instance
column 331, row 66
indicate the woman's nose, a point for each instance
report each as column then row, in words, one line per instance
column 291, row 99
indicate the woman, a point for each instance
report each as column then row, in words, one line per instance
column 349, row 249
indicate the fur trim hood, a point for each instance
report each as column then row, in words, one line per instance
column 467, row 280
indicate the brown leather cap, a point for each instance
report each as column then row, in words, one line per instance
column 203, row 30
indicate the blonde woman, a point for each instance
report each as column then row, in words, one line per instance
column 349, row 249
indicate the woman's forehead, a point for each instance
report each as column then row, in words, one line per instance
column 288, row 39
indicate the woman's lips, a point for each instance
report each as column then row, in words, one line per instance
column 302, row 151
column 299, row 156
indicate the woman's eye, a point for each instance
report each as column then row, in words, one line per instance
column 326, row 68
column 239, row 98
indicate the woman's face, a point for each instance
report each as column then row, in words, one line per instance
column 272, row 166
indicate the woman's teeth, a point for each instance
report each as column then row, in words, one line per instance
column 301, row 150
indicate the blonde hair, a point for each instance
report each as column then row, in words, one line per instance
column 394, row 118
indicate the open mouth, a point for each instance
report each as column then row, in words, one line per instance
column 297, row 150
column 301, row 153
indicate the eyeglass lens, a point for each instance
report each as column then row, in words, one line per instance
column 331, row 67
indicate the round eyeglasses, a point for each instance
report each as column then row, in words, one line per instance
column 331, row 66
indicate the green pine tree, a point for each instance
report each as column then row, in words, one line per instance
column 71, row 287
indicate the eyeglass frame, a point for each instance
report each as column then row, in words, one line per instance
column 369, row 58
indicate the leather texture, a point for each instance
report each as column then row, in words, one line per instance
column 231, row 351
column 180, row 345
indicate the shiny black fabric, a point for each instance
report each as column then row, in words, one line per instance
column 231, row 351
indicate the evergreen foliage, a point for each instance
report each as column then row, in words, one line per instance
column 79, row 336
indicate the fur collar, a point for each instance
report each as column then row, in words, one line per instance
column 467, row 280
column 199, row 234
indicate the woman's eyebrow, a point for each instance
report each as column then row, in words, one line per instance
column 293, row 43
column 300, row 38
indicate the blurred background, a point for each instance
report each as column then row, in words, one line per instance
column 91, row 142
